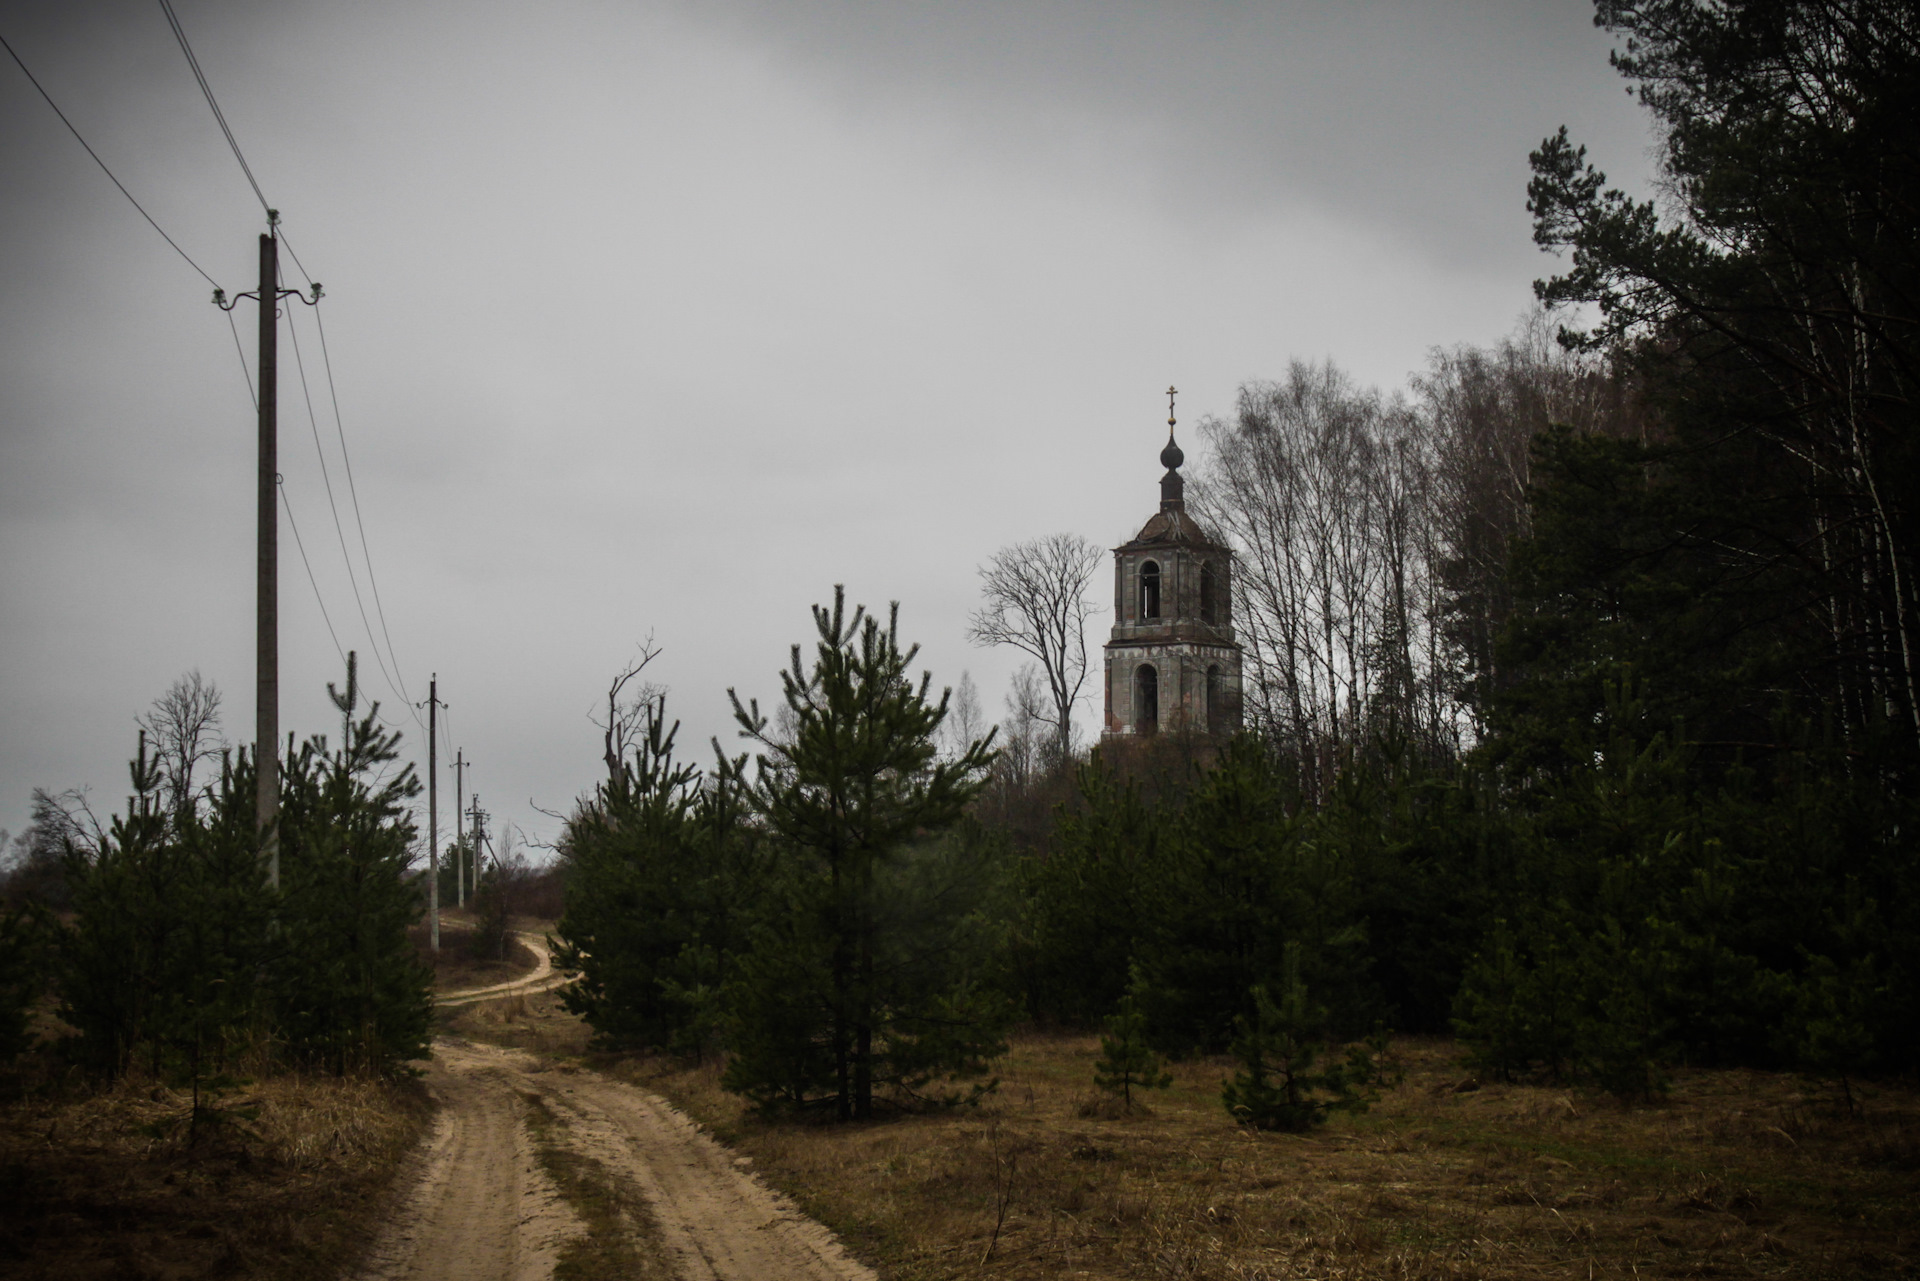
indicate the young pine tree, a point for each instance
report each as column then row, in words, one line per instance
column 1126, row 1061
column 661, row 876
column 1279, row 1086
column 349, row 992
column 831, row 1005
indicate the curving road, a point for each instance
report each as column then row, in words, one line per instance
column 541, row 979
column 481, row 1207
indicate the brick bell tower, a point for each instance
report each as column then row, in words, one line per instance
column 1172, row 662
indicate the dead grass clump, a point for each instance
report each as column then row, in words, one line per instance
column 1110, row 1107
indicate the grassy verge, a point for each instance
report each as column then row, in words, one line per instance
column 621, row 1242
column 1737, row 1174
column 113, row 1184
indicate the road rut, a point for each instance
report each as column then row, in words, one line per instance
column 481, row 1207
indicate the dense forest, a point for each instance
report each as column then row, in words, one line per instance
column 165, row 943
column 1581, row 718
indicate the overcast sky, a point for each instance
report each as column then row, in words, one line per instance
column 663, row 318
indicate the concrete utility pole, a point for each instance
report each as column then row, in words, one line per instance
column 266, row 639
column 459, row 835
column 477, row 826
column 433, row 809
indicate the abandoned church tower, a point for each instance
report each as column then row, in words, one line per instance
column 1172, row 662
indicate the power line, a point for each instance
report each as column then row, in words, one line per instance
column 339, row 530
column 296, row 257
column 180, row 34
column 394, row 678
column 314, row 583
column 353, row 492
column 242, row 353
column 103, row 165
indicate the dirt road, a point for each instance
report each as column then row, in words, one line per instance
column 541, row 979
column 484, row 1205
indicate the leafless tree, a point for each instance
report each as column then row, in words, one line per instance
column 1483, row 407
column 183, row 729
column 966, row 720
column 1035, row 596
column 1373, row 533
column 1028, row 732
column 628, row 708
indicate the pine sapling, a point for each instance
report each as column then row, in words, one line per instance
column 1126, row 1061
column 1279, row 1086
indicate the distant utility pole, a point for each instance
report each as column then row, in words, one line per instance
column 477, row 820
column 459, row 836
column 433, row 809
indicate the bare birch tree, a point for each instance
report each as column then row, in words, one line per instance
column 183, row 730
column 1035, row 599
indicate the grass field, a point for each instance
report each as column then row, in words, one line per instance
column 1737, row 1174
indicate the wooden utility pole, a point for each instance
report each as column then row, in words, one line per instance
column 266, row 651
column 459, row 835
column 433, row 809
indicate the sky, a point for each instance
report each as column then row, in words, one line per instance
column 661, row 319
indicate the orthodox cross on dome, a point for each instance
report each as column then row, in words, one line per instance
column 1171, row 393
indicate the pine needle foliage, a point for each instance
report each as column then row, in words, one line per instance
column 1126, row 1061
column 349, row 992
column 1280, row 1084
column 661, row 874
column 831, row 1004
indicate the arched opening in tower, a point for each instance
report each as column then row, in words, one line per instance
column 1150, row 590
column 1146, row 699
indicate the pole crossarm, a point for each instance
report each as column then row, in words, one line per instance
column 224, row 303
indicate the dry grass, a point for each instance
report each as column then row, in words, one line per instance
column 1737, row 1174
column 116, row 1184
column 455, row 967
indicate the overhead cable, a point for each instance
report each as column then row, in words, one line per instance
column 314, row 583
column 103, row 165
column 339, row 530
column 353, row 493
column 180, row 34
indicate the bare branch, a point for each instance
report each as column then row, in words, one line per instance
column 1035, row 599
column 627, row 712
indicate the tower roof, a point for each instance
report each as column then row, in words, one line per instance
column 1171, row 524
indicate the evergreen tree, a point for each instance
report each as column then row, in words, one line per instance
column 662, row 871
column 1085, row 900
column 832, row 1004
column 1125, row 1059
column 23, row 965
column 1279, row 1085
column 349, row 992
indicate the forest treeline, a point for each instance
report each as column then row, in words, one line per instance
column 162, row 941
column 1580, row 684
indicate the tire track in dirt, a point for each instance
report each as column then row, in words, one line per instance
column 483, row 1209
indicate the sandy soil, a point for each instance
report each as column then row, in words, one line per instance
column 541, row 979
column 482, row 1208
